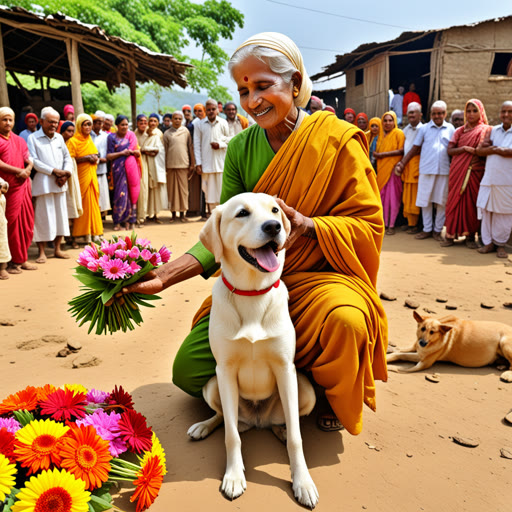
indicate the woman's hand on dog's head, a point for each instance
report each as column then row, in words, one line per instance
column 300, row 224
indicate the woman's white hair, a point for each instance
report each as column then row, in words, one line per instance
column 439, row 104
column 276, row 61
column 49, row 110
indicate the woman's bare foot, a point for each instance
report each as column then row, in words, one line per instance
column 4, row 274
column 13, row 268
column 41, row 259
column 61, row 255
column 28, row 266
column 117, row 227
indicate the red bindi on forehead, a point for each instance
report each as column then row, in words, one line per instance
column 246, row 79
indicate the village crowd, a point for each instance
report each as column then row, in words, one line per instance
column 457, row 174
column 60, row 177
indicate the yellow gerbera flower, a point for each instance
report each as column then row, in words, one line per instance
column 156, row 450
column 53, row 491
column 76, row 388
column 7, row 480
column 35, row 445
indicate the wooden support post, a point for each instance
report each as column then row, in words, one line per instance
column 4, row 91
column 133, row 93
column 74, row 66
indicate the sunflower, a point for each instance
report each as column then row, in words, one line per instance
column 134, row 431
column 7, row 479
column 22, row 400
column 76, row 388
column 84, row 454
column 148, row 483
column 53, row 491
column 36, row 444
column 64, row 405
column 156, row 450
column 7, row 444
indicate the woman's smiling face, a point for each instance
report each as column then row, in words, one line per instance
column 263, row 93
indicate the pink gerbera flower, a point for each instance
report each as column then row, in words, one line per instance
column 115, row 269
column 134, row 253
column 93, row 265
column 108, row 248
column 96, row 396
column 121, row 253
column 146, row 255
column 143, row 242
column 134, row 268
column 10, row 424
column 165, row 254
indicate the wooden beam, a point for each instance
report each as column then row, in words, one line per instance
column 133, row 92
column 4, row 91
column 74, row 66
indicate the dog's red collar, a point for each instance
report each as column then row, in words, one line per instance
column 249, row 293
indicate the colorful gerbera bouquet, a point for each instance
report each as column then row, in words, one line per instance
column 62, row 449
column 104, row 270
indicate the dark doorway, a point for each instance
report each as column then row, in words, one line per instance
column 412, row 68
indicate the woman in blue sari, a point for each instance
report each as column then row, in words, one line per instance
column 123, row 153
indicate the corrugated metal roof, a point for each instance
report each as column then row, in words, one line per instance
column 366, row 51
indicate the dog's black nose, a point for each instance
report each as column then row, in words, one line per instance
column 271, row 227
column 423, row 343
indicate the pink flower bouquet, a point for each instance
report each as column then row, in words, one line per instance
column 104, row 270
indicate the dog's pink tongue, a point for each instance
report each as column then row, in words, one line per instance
column 266, row 258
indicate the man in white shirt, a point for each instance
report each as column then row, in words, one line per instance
column 236, row 122
column 99, row 137
column 396, row 104
column 211, row 137
column 431, row 143
column 54, row 166
column 494, row 201
column 410, row 172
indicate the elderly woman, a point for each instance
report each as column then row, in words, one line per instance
column 123, row 152
column 153, row 170
column 390, row 149
column 466, row 173
column 82, row 149
column 318, row 166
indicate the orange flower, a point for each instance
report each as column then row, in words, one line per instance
column 35, row 445
column 44, row 391
column 148, row 483
column 22, row 400
column 86, row 455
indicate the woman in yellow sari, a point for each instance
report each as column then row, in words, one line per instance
column 390, row 149
column 82, row 149
column 318, row 166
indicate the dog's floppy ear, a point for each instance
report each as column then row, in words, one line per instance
column 444, row 328
column 286, row 222
column 210, row 234
column 418, row 317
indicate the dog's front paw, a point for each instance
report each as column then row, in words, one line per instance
column 199, row 430
column 233, row 485
column 305, row 491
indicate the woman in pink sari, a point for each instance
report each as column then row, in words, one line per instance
column 123, row 152
column 466, row 172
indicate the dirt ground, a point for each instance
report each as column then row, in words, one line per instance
column 404, row 460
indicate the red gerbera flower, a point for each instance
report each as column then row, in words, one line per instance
column 148, row 483
column 135, row 432
column 22, row 400
column 63, row 405
column 119, row 399
column 86, row 455
column 7, row 444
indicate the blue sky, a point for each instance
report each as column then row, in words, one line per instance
column 323, row 36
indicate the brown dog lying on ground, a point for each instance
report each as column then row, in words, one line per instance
column 463, row 342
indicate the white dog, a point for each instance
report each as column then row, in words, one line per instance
column 253, row 339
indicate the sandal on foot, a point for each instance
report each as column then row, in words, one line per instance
column 501, row 252
column 328, row 423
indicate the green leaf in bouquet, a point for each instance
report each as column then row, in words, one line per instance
column 9, row 501
column 95, row 315
column 140, row 274
column 24, row 417
column 109, row 292
column 98, row 504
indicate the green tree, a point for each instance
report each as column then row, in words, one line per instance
column 167, row 26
